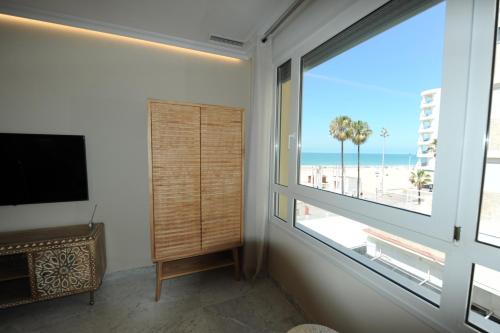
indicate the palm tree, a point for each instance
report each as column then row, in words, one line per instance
column 340, row 129
column 384, row 133
column 360, row 131
column 419, row 178
column 433, row 147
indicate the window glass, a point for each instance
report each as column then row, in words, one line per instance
column 489, row 223
column 370, row 108
column 281, row 206
column 484, row 303
column 415, row 266
column 283, row 123
column 489, row 226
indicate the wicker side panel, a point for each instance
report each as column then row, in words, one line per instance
column 221, row 176
column 175, row 159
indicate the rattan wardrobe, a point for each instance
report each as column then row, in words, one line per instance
column 196, row 155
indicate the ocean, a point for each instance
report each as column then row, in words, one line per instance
column 352, row 159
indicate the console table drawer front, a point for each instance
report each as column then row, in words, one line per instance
column 51, row 262
column 62, row 270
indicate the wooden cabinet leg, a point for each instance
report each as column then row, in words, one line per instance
column 159, row 269
column 236, row 260
column 91, row 300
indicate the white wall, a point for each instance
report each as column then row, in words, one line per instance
column 329, row 294
column 56, row 81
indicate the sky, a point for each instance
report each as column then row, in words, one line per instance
column 378, row 81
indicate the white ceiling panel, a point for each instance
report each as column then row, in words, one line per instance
column 194, row 20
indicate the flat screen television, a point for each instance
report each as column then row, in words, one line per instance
column 36, row 168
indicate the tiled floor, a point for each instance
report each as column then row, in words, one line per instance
column 204, row 302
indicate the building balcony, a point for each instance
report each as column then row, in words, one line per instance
column 421, row 154
column 422, row 142
column 424, row 117
column 427, row 104
column 429, row 129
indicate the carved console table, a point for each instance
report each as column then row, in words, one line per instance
column 47, row 263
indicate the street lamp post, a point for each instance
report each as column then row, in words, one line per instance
column 384, row 133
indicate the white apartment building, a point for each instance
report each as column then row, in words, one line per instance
column 428, row 129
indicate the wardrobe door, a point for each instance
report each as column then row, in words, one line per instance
column 175, row 172
column 221, row 176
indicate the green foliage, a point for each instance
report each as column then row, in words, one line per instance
column 360, row 131
column 433, row 147
column 343, row 128
column 419, row 178
column 340, row 128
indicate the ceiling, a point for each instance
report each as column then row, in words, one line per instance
column 193, row 20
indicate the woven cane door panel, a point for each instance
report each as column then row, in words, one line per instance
column 221, row 176
column 62, row 271
column 175, row 149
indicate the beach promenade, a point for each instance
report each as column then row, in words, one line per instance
column 396, row 189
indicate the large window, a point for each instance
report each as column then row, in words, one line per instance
column 281, row 206
column 370, row 108
column 408, row 263
column 489, row 224
column 283, row 123
column 484, row 299
column 389, row 140
column 484, row 304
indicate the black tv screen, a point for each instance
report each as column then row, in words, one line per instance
column 36, row 168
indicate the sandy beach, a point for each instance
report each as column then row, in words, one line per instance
column 396, row 189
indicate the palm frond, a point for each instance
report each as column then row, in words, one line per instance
column 340, row 128
column 360, row 132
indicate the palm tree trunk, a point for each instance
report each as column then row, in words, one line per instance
column 358, row 172
column 342, row 164
column 419, row 195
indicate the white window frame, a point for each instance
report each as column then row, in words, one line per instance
column 277, row 130
column 480, row 90
column 419, row 291
column 274, row 213
column 469, row 31
column 447, row 174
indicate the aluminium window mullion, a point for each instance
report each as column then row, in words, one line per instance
column 382, row 217
column 275, row 188
column 454, row 98
column 458, row 272
column 485, row 255
column 467, row 85
column 382, row 225
column 292, row 141
column 293, row 152
column 441, row 223
column 371, row 264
